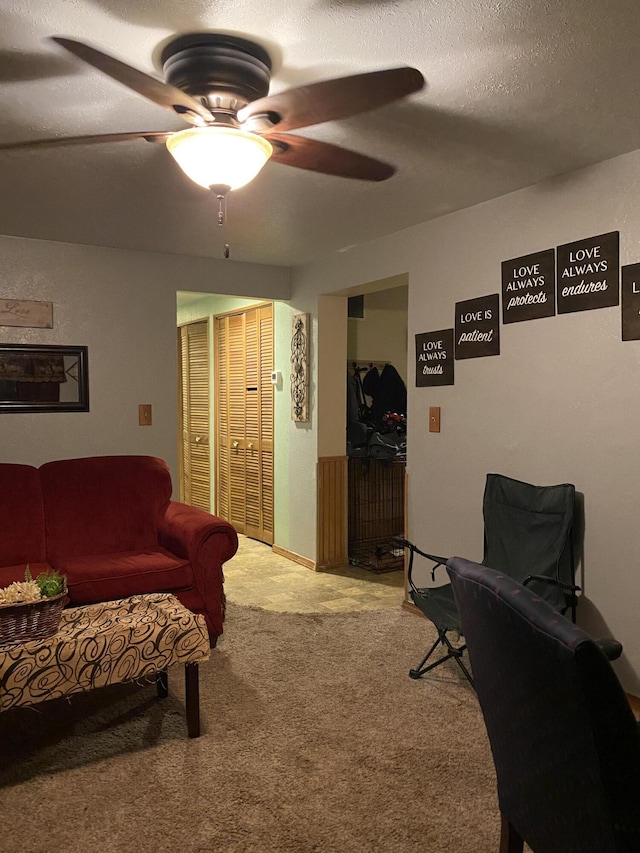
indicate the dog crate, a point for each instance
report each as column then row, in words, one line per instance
column 376, row 513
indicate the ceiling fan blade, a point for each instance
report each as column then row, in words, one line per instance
column 157, row 91
column 334, row 99
column 329, row 159
column 150, row 136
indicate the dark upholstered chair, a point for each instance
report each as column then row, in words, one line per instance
column 565, row 743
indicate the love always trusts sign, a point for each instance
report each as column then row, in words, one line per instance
column 588, row 273
column 434, row 358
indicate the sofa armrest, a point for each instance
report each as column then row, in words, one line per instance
column 207, row 542
column 196, row 535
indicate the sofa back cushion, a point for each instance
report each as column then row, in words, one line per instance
column 103, row 504
column 21, row 515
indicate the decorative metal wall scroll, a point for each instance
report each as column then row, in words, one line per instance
column 300, row 367
column 588, row 274
column 529, row 287
column 434, row 358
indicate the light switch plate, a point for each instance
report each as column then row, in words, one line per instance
column 434, row 418
column 144, row 414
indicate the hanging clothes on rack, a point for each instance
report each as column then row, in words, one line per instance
column 388, row 391
column 380, row 396
column 358, row 428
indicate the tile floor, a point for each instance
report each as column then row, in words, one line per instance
column 258, row 577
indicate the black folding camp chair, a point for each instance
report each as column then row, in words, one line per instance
column 527, row 536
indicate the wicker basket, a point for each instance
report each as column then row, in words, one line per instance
column 36, row 620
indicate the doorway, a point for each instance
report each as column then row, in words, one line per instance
column 377, row 343
column 196, row 307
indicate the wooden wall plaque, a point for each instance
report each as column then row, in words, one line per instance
column 25, row 313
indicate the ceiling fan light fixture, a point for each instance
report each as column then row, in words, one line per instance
column 219, row 156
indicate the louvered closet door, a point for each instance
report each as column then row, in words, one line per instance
column 244, row 394
column 266, row 404
column 236, row 423
column 221, row 338
column 252, row 427
column 259, row 423
column 194, row 412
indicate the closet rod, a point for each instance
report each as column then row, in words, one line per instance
column 365, row 364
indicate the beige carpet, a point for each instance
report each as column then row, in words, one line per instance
column 314, row 739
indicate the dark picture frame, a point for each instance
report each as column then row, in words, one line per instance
column 43, row 378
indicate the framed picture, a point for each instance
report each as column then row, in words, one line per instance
column 43, row 378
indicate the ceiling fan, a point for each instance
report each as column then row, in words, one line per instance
column 219, row 84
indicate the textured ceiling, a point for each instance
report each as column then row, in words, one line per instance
column 517, row 91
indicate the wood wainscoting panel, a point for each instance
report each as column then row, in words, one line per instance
column 332, row 512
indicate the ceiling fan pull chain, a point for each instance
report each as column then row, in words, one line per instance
column 222, row 207
column 221, row 195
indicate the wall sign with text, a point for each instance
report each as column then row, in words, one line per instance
column 529, row 287
column 477, row 327
column 587, row 273
column 434, row 358
column 631, row 302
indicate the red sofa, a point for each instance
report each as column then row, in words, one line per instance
column 108, row 523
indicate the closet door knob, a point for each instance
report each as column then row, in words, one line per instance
column 235, row 445
column 250, row 446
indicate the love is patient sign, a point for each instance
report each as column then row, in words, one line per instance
column 477, row 327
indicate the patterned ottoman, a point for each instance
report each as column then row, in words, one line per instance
column 109, row 643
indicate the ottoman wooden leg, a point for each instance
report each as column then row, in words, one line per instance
column 162, row 684
column 192, row 698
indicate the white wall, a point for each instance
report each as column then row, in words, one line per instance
column 122, row 305
column 382, row 334
column 561, row 402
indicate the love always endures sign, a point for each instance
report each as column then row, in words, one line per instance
column 587, row 275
